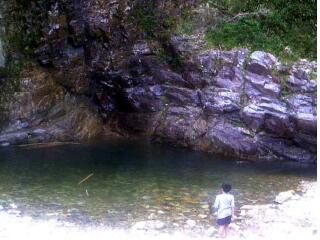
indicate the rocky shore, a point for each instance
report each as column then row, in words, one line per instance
column 292, row 215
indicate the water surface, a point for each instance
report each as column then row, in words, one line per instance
column 132, row 181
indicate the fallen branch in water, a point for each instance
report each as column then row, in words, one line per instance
column 86, row 178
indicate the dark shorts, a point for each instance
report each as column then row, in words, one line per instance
column 224, row 221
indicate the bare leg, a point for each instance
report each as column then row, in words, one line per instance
column 226, row 227
column 221, row 231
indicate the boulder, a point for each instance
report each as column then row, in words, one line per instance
column 144, row 99
column 303, row 112
column 228, row 138
column 181, row 125
column 141, row 48
column 177, row 96
column 270, row 115
column 297, row 85
column 261, row 63
column 284, row 149
column 230, row 77
column 191, row 223
column 285, row 196
column 211, row 231
column 170, row 78
column 261, row 86
column 220, row 101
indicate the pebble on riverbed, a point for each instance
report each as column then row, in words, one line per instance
column 149, row 225
column 285, row 196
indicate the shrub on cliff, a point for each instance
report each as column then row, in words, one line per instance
column 284, row 27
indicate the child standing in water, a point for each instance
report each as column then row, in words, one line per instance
column 224, row 204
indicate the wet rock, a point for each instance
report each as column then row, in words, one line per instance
column 149, row 225
column 226, row 137
column 13, row 206
column 205, row 206
column 4, row 144
column 286, row 196
column 286, row 149
column 202, row 216
column 306, row 141
column 191, row 223
column 210, row 231
column 14, row 138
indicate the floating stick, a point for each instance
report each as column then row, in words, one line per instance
column 86, row 178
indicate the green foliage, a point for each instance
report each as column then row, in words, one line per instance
column 152, row 21
column 25, row 22
column 281, row 26
column 185, row 27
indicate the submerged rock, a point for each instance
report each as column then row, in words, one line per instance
column 191, row 223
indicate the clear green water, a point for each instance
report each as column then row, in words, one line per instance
column 132, row 181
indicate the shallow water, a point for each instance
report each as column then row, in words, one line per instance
column 131, row 182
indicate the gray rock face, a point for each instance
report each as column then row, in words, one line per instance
column 248, row 105
column 261, row 63
column 269, row 115
column 219, row 101
column 261, row 86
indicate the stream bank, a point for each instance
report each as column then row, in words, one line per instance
column 295, row 218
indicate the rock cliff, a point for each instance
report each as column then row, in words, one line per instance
column 95, row 70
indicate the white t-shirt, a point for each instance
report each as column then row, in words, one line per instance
column 225, row 204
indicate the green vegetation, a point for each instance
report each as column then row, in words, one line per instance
column 286, row 28
column 153, row 21
column 9, row 83
column 185, row 27
column 25, row 21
